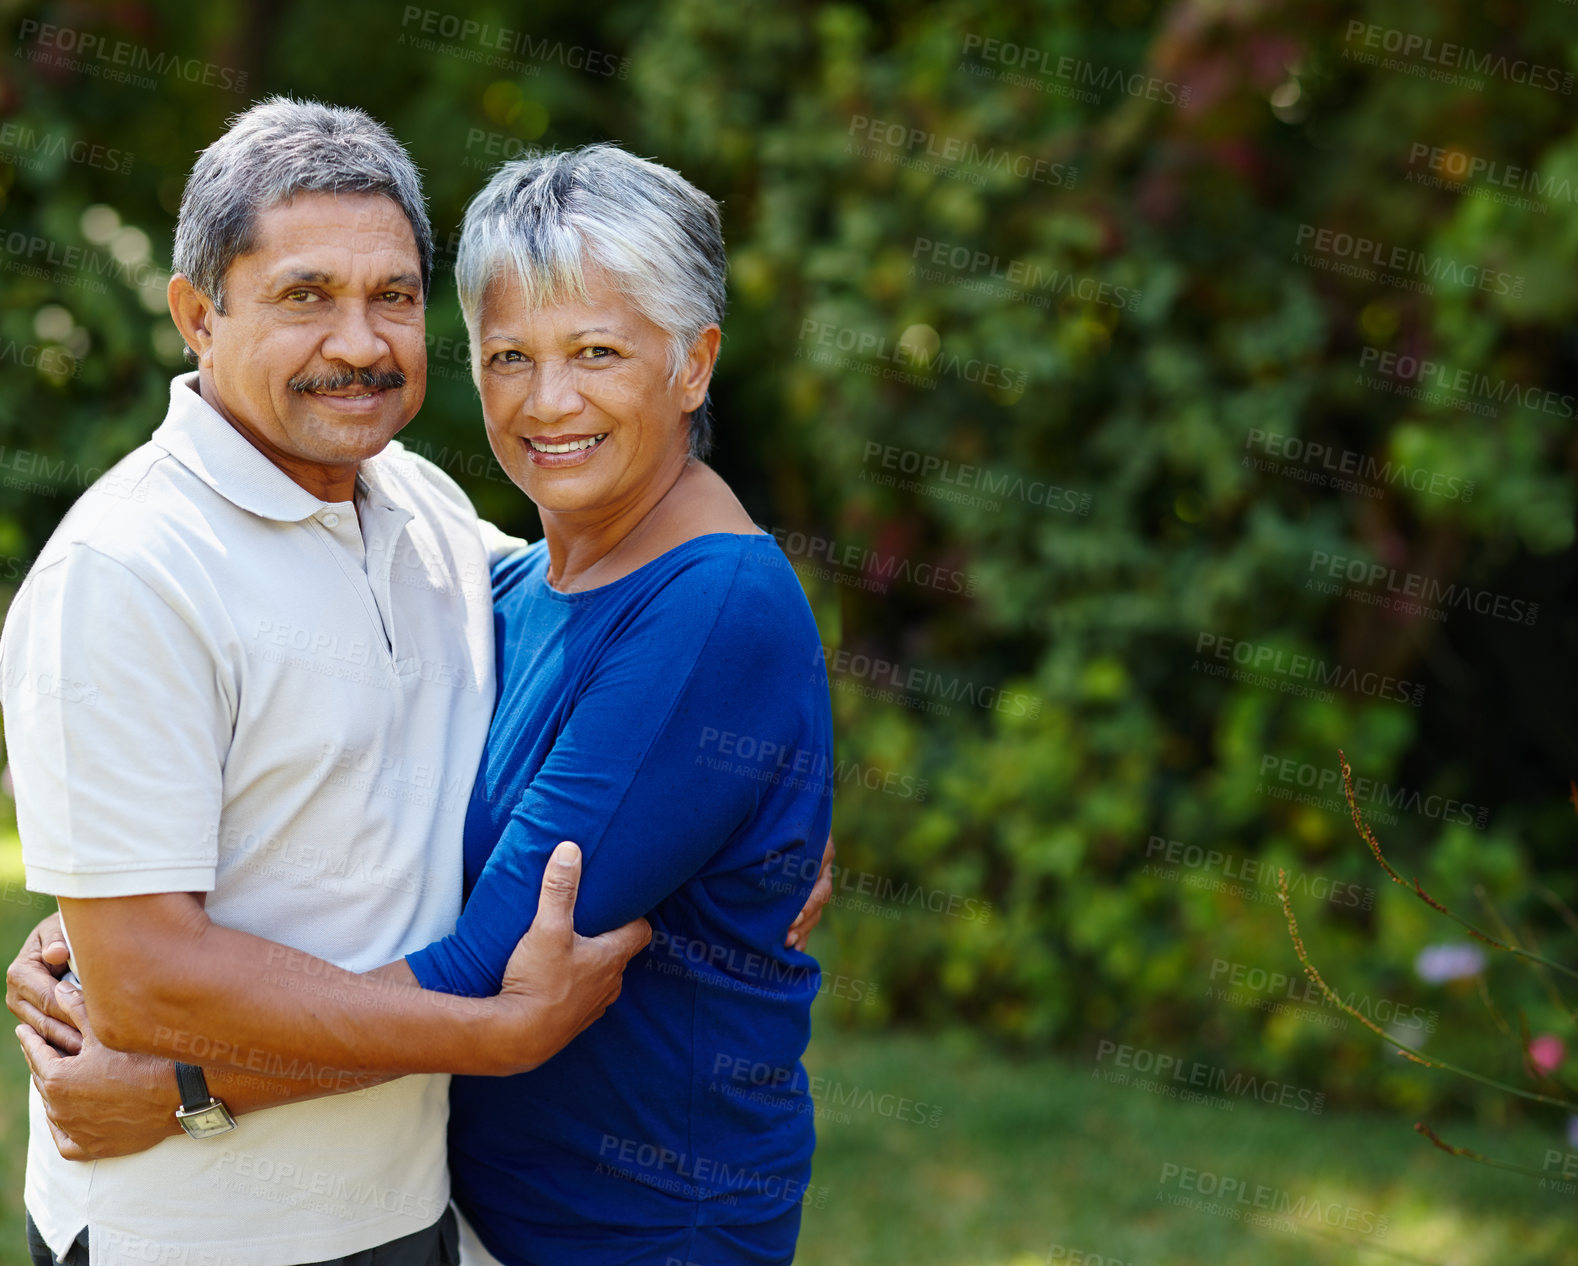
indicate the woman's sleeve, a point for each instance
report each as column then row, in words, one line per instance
column 633, row 777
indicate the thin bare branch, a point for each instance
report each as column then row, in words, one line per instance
column 1410, row 1052
column 1479, row 934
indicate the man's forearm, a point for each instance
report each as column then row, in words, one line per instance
column 213, row 996
column 266, row 1010
column 288, row 1080
column 240, row 1092
column 248, row 1092
column 160, row 978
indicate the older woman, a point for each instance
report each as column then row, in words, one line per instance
column 663, row 702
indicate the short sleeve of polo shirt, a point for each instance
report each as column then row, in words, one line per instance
column 118, row 700
column 499, row 543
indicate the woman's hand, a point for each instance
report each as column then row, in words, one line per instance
column 821, row 894
column 99, row 1102
column 31, row 981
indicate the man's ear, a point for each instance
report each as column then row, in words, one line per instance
column 697, row 373
column 193, row 313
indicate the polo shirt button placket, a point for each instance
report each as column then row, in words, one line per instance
column 382, row 537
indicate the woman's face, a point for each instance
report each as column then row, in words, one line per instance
column 577, row 399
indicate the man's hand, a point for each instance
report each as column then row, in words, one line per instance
column 566, row 981
column 31, row 982
column 99, row 1102
column 821, row 894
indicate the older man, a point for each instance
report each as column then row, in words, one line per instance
column 246, row 686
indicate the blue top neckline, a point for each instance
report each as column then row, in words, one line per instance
column 548, row 590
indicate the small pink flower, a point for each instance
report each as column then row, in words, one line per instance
column 1547, row 1052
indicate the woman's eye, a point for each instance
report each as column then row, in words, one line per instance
column 596, row 353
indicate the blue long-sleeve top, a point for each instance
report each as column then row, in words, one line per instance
column 676, row 725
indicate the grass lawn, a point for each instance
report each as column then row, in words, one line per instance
column 1033, row 1156
column 1034, row 1161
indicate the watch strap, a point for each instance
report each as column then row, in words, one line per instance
column 193, row 1086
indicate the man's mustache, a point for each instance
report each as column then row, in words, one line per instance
column 372, row 379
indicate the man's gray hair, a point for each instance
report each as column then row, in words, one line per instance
column 269, row 154
column 656, row 236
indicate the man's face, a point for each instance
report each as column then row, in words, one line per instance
column 320, row 357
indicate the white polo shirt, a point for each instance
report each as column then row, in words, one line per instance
column 215, row 682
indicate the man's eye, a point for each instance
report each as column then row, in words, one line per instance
column 398, row 297
column 596, row 353
column 507, row 357
column 299, row 296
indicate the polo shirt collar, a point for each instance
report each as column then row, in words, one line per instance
column 201, row 439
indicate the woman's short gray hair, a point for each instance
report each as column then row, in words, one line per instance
column 268, row 155
column 656, row 236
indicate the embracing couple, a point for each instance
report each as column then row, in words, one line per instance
column 247, row 684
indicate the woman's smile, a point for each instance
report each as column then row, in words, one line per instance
column 563, row 450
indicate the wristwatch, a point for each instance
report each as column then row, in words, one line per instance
column 200, row 1114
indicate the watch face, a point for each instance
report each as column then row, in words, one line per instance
column 206, row 1122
